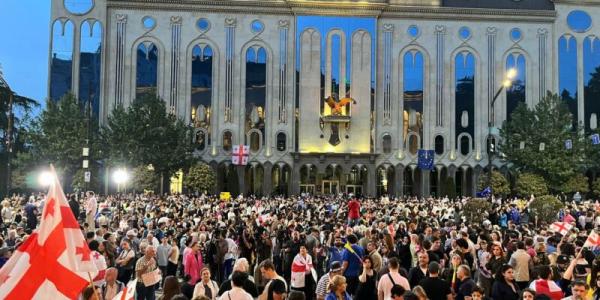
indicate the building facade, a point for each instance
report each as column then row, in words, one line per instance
column 332, row 96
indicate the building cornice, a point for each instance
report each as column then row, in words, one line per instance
column 578, row 2
column 342, row 8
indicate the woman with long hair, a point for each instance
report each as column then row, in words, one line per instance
column 420, row 292
column 505, row 286
column 302, row 268
column 497, row 259
column 366, row 281
column 337, row 289
column 170, row 288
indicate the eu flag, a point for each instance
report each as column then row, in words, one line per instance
column 425, row 161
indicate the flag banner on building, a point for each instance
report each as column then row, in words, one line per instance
column 425, row 159
column 55, row 261
column 595, row 139
column 561, row 227
column 239, row 156
column 484, row 193
column 592, row 241
column 569, row 144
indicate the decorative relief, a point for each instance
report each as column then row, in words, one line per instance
column 284, row 23
column 388, row 27
column 230, row 22
column 440, row 29
column 176, row 19
column 121, row 18
column 492, row 30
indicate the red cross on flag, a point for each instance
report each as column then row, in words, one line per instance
column 561, row 227
column 593, row 240
column 127, row 293
column 239, row 156
column 53, row 263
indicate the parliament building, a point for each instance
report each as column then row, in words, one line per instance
column 333, row 96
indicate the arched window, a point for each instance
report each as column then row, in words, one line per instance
column 281, row 141
column 256, row 89
column 464, row 108
column 387, row 144
column 413, row 93
column 254, row 141
column 465, row 142
column 336, row 55
column 201, row 82
column 567, row 73
column 147, row 70
column 227, row 142
column 515, row 93
column 62, row 59
column 591, row 78
column 90, row 58
column 439, row 145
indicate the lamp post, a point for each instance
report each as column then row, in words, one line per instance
column 120, row 177
column 507, row 82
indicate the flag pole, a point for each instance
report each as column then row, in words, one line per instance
column 92, row 283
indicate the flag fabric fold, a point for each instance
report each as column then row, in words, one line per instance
column 593, row 240
column 561, row 227
column 54, row 261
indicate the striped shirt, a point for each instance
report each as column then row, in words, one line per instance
column 322, row 286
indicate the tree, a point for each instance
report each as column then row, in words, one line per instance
column 596, row 187
column 60, row 134
column 145, row 134
column 577, row 183
column 550, row 123
column 500, row 185
column 530, row 184
column 545, row 208
column 79, row 180
column 476, row 209
column 144, row 179
column 200, row 178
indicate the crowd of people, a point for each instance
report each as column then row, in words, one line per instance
column 323, row 247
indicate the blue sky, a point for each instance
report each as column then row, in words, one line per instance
column 24, row 35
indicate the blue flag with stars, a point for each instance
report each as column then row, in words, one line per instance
column 425, row 161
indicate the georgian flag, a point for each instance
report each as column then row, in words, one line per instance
column 55, row 261
column 239, row 155
column 593, row 240
column 561, row 227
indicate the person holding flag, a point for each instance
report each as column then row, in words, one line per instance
column 54, row 262
column 352, row 262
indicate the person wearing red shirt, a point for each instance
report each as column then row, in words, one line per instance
column 353, row 212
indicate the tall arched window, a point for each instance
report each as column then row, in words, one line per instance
column 567, row 73
column 515, row 93
column 256, row 89
column 591, row 78
column 439, row 145
column 201, row 85
column 90, row 59
column 464, row 108
column 147, row 70
column 413, row 70
column 227, row 142
column 336, row 56
column 61, row 67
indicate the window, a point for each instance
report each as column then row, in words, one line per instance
column 281, row 141
column 567, row 73
column 79, row 7
column 516, row 92
column 464, row 107
column 200, row 140
column 465, row 148
column 254, row 141
column 256, row 88
column 148, row 23
column 62, row 59
column 591, row 79
column 387, row 144
column 413, row 144
column 202, row 80
column 227, row 142
column 147, row 70
column 90, row 58
column 439, row 145
column 413, row 92
column 579, row 21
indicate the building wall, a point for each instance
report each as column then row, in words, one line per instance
column 293, row 55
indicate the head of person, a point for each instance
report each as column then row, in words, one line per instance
column 397, row 292
column 497, row 250
column 336, row 268
column 477, row 293
column 352, row 239
column 367, row 263
column 463, row 272
column 420, row 292
column 303, row 250
column 423, row 259
column 242, row 265
column 238, row 278
column 338, row 284
column 150, row 251
column 579, row 289
column 296, row 295
column 505, row 273
column 528, row 294
column 267, row 269
column 90, row 293
column 393, row 264
column 171, row 286
column 544, row 272
column 111, row 275
column 434, row 268
column 205, row 274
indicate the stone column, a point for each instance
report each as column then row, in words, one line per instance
column 398, row 181
column 267, row 184
column 371, row 180
column 241, row 172
column 295, row 179
column 425, row 189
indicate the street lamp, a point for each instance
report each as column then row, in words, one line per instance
column 45, row 178
column 120, row 176
column 506, row 83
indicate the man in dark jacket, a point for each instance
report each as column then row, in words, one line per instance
column 466, row 284
column 74, row 205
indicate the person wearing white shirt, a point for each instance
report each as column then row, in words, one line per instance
column 237, row 292
column 206, row 286
column 91, row 208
